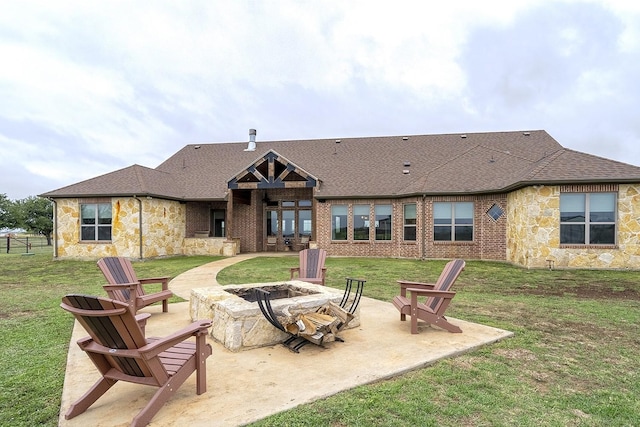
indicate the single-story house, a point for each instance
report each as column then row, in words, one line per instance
column 518, row 197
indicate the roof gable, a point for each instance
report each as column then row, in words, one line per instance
column 272, row 171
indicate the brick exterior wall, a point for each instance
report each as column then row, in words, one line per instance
column 489, row 236
column 199, row 216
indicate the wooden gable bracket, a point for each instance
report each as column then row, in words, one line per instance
column 272, row 171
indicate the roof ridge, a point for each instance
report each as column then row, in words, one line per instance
column 138, row 172
column 457, row 156
column 544, row 162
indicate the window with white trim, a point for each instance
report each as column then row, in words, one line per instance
column 588, row 218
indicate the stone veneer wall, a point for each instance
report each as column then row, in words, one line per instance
column 533, row 232
column 163, row 224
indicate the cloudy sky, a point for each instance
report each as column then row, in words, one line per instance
column 89, row 87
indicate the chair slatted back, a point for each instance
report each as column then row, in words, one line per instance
column 118, row 270
column 448, row 276
column 111, row 324
column 311, row 262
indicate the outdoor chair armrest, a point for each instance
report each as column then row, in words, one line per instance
column 112, row 291
column 415, row 293
column 197, row 328
column 142, row 320
column 153, row 348
column 163, row 280
column 405, row 284
column 117, row 286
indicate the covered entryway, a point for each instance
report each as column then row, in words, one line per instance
column 270, row 205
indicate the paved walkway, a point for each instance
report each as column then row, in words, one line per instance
column 247, row 386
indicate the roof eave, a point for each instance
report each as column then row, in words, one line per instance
column 102, row 195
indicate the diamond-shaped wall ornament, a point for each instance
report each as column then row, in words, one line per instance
column 495, row 212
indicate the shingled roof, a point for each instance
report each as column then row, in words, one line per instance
column 389, row 166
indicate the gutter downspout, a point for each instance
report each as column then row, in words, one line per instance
column 55, row 227
column 423, row 255
column 139, row 224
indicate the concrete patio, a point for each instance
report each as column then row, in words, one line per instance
column 246, row 386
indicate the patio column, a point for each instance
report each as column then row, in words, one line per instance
column 229, row 216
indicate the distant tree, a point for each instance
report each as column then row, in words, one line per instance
column 35, row 215
column 8, row 217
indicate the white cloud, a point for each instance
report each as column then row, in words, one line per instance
column 92, row 87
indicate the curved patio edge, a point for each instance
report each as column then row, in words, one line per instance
column 206, row 275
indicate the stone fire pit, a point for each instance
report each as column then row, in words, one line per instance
column 240, row 325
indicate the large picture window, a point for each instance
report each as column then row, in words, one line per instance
column 588, row 218
column 383, row 222
column 453, row 221
column 95, row 221
column 339, row 222
column 410, row 221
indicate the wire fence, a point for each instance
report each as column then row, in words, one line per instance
column 23, row 244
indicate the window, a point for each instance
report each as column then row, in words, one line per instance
column 272, row 223
column 453, row 221
column 304, row 223
column 217, row 222
column 495, row 212
column 339, row 222
column 410, row 221
column 361, row 222
column 95, row 221
column 588, row 218
column 288, row 223
column 383, row 222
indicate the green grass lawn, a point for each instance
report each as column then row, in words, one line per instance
column 572, row 362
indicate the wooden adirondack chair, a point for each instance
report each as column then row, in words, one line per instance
column 312, row 267
column 119, row 350
column 125, row 286
column 438, row 298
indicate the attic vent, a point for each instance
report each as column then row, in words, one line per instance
column 526, row 133
column 338, row 141
column 405, row 171
column 463, row 136
column 404, row 138
column 407, row 164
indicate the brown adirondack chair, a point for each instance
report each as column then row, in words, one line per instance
column 125, row 286
column 311, row 267
column 118, row 348
column 438, row 297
